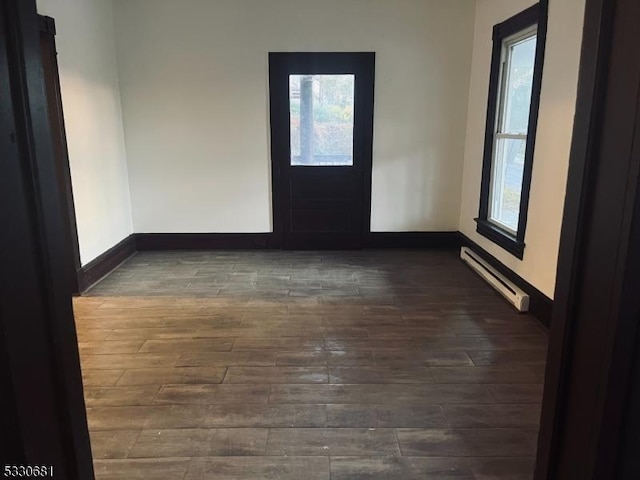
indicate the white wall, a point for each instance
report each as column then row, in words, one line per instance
column 193, row 80
column 93, row 120
column 193, row 76
column 555, row 124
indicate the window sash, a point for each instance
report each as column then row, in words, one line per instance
column 499, row 131
column 505, row 61
column 492, row 216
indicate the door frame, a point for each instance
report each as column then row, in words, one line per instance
column 42, row 409
column 279, row 64
column 590, row 425
column 54, row 96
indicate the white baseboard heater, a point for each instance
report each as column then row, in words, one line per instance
column 505, row 287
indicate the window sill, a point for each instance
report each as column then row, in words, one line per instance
column 501, row 238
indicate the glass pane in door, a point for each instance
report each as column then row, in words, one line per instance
column 321, row 119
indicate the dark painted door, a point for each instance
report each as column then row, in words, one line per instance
column 321, row 145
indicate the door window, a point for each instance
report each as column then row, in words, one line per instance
column 321, row 119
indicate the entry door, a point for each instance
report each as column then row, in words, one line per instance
column 321, row 145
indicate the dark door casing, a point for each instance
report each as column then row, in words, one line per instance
column 71, row 253
column 590, row 427
column 42, row 411
column 321, row 207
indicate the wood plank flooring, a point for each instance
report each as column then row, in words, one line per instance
column 308, row 365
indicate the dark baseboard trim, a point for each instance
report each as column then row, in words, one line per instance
column 250, row 241
column 206, row 241
column 540, row 305
column 412, row 240
column 95, row 270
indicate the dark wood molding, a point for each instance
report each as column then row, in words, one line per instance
column 589, row 426
column 206, row 241
column 47, row 25
column 98, row 268
column 498, row 236
column 59, row 137
column 629, row 463
column 536, row 14
column 38, row 342
column 251, row 241
column 449, row 240
column 540, row 305
column 596, row 40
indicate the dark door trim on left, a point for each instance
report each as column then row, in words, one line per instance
column 42, row 409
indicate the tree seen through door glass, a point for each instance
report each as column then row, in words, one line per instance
column 321, row 117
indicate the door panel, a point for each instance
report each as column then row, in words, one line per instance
column 321, row 138
column 325, row 200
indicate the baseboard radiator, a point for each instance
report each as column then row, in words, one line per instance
column 505, row 287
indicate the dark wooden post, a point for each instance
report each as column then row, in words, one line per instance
column 589, row 428
column 42, row 411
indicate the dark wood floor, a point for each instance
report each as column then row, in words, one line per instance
column 296, row 365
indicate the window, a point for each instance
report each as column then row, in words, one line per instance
column 321, row 119
column 514, row 94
